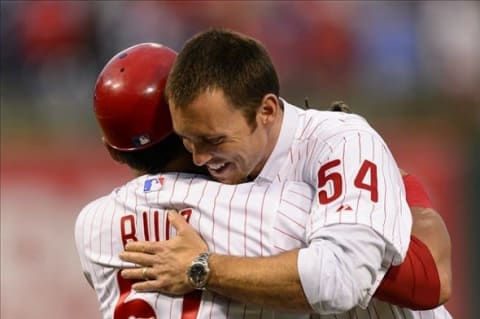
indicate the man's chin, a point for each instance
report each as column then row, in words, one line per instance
column 229, row 174
column 232, row 180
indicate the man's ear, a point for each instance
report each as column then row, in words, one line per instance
column 270, row 109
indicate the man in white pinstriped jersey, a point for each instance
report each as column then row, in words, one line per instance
column 360, row 222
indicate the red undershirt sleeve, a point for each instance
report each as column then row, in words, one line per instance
column 416, row 193
column 415, row 283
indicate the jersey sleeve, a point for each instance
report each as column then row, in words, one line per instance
column 359, row 184
column 339, row 267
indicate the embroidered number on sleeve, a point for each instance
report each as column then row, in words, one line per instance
column 366, row 179
column 368, row 169
column 324, row 178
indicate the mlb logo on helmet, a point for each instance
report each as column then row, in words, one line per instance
column 153, row 184
column 141, row 140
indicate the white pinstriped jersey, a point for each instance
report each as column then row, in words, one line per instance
column 242, row 220
column 358, row 185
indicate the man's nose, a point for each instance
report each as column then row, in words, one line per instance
column 200, row 155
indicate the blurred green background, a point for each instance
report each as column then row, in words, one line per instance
column 411, row 68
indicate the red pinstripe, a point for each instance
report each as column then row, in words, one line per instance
column 261, row 223
column 287, row 234
column 359, row 161
column 345, row 184
column 198, row 203
column 300, row 194
column 291, row 219
column 245, row 224
column 188, row 190
column 344, row 132
column 173, row 190
column 373, row 206
column 213, row 216
column 306, row 125
column 296, row 206
column 317, row 128
column 384, row 197
column 314, row 146
column 230, row 217
column 91, row 242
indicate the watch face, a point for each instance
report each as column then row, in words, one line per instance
column 197, row 271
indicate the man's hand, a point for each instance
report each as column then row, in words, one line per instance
column 163, row 265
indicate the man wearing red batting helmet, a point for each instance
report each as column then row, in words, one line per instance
column 135, row 122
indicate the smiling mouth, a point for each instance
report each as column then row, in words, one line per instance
column 216, row 169
column 216, row 166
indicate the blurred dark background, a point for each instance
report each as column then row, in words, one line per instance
column 411, row 68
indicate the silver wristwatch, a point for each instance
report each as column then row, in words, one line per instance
column 198, row 272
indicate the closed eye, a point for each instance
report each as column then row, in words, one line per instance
column 215, row 140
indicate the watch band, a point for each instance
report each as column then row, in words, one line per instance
column 203, row 257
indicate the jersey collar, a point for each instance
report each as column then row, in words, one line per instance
column 285, row 140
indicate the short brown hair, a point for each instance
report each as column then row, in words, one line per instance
column 221, row 59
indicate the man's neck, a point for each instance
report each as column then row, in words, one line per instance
column 273, row 137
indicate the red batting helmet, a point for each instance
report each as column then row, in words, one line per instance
column 129, row 101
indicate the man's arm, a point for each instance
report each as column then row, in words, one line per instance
column 423, row 280
column 272, row 281
column 431, row 230
column 349, row 264
column 429, row 227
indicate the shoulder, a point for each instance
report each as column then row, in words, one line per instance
column 118, row 195
column 88, row 217
column 321, row 120
column 337, row 121
column 93, row 205
column 328, row 128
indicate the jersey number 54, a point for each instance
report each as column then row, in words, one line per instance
column 366, row 178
